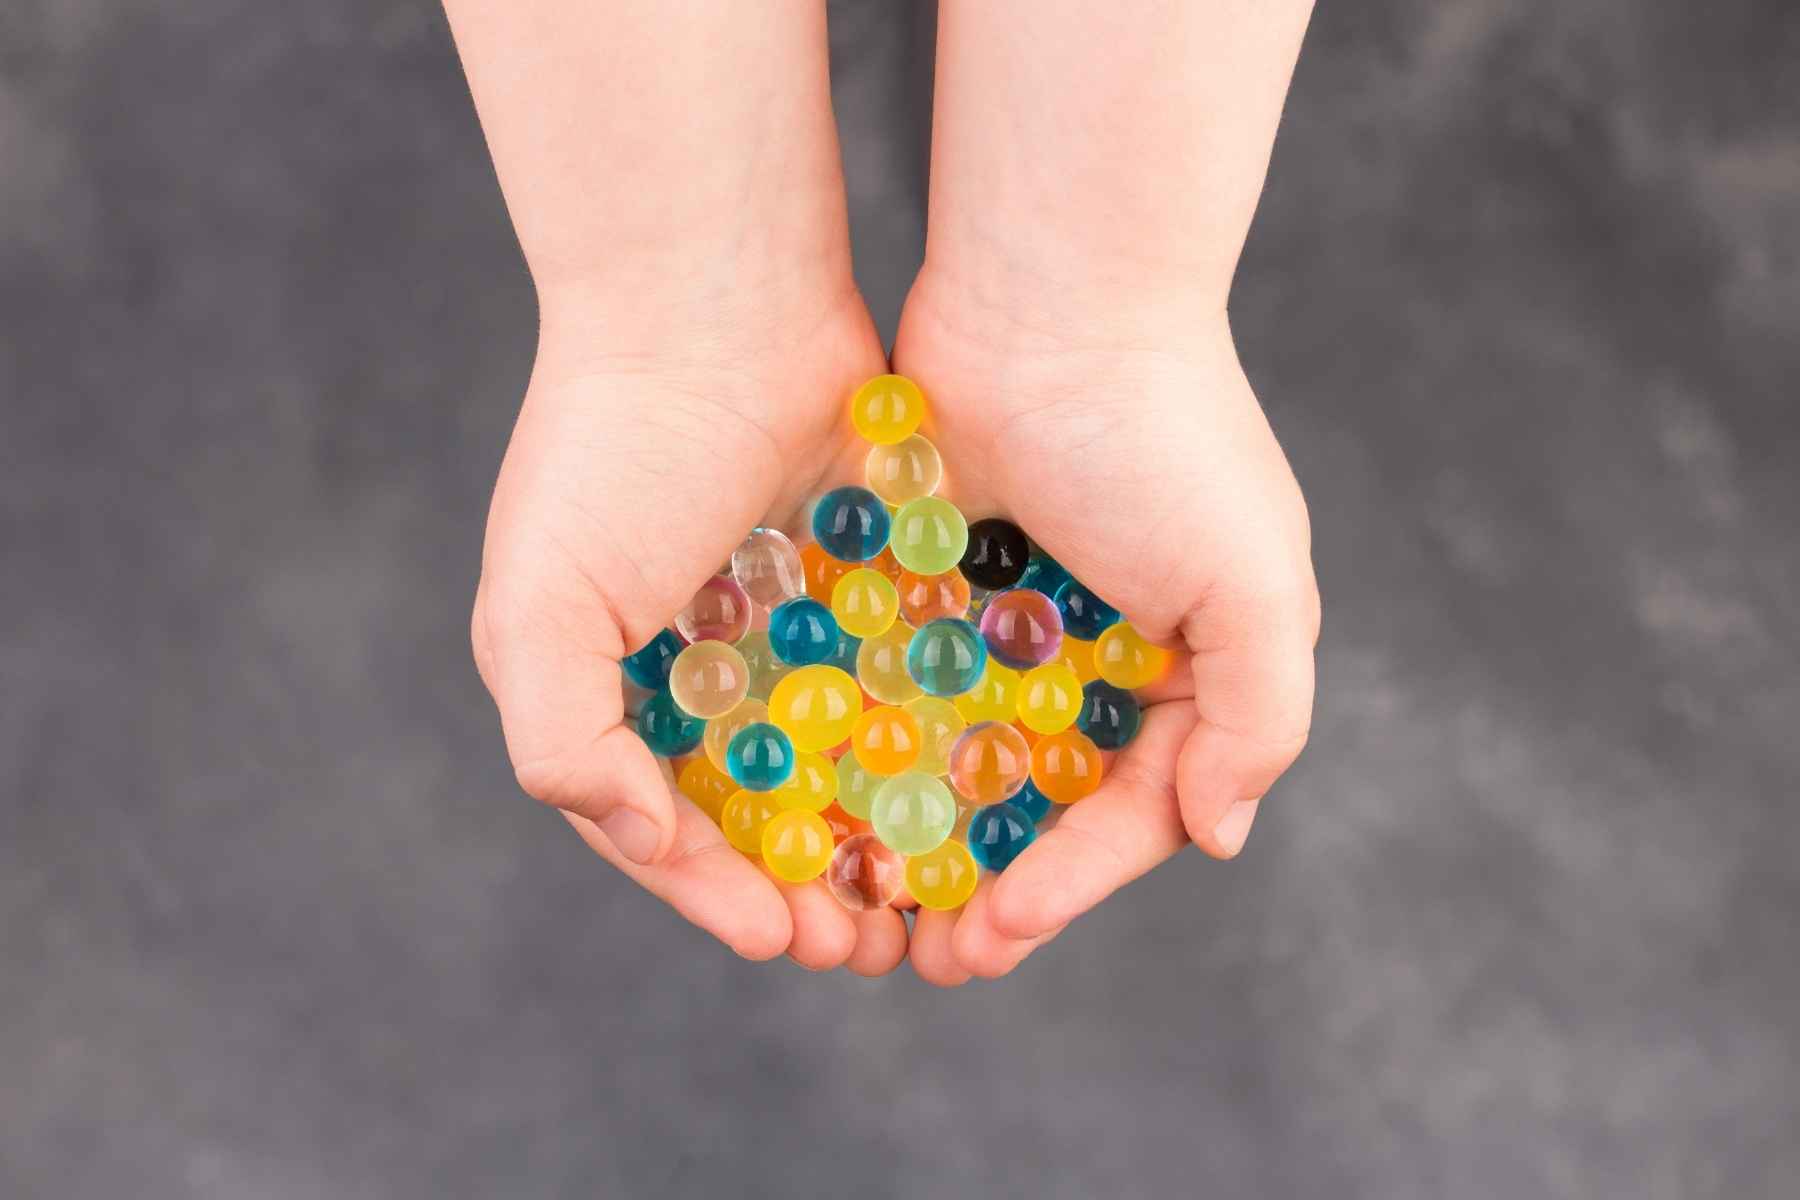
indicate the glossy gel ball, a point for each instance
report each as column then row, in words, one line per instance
column 1109, row 716
column 709, row 679
column 851, row 523
column 802, row 632
column 720, row 730
column 881, row 666
column 912, row 813
column 885, row 740
column 995, row 697
column 816, row 707
column 864, row 874
column 1022, row 628
column 997, row 554
column 843, row 655
column 865, row 603
column 939, row 727
column 1049, row 698
column 843, row 825
column 946, row 657
column 813, row 785
column 797, row 845
column 989, row 763
column 706, row 785
column 927, row 598
column 765, row 666
column 760, row 758
column 745, row 815
column 649, row 667
column 1078, row 656
column 998, row 834
column 856, row 786
column 1126, row 659
column 822, row 571
column 719, row 612
column 767, row 566
column 887, row 409
column 942, row 879
column 904, row 471
column 929, row 535
column 1031, row 802
column 1044, row 574
column 1066, row 766
column 1084, row 615
column 666, row 729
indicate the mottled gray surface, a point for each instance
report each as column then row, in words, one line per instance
column 275, row 923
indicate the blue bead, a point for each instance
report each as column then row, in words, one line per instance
column 851, row 524
column 843, row 656
column 1031, row 802
column 1084, row 614
column 1110, row 716
column 760, row 757
column 946, row 656
column 998, row 834
column 649, row 667
column 1043, row 574
column 666, row 729
column 803, row 632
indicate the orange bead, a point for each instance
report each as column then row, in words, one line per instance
column 886, row 740
column 1066, row 766
column 927, row 597
column 822, row 571
column 887, row 564
column 842, row 824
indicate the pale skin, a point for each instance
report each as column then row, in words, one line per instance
column 1092, row 183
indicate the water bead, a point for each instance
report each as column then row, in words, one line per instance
column 939, row 727
column 797, row 845
column 709, row 679
column 1110, row 716
column 881, row 666
column 851, row 523
column 995, row 697
column 1066, row 766
column 649, row 667
column 1044, row 574
column 720, row 730
column 1126, row 659
column 1049, row 698
column 942, row 879
column 1031, row 802
column 904, row 471
column 926, row 598
column 803, row 632
column 767, row 566
column 745, row 815
column 912, row 812
column 997, row 554
column 998, row 834
column 822, row 571
column 887, row 409
column 666, row 729
column 989, row 762
column 946, row 657
column 843, row 655
column 865, row 603
column 719, row 611
column 706, row 785
column 816, row 706
column 1022, row 627
column 885, row 740
column 929, row 535
column 856, row 786
column 813, row 785
column 864, row 874
column 1078, row 656
column 760, row 757
column 1084, row 615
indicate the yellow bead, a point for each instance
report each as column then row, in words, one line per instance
column 745, row 816
column 865, row 603
column 1126, row 660
column 797, row 845
column 1074, row 653
column 885, row 740
column 943, row 878
column 881, row 666
column 812, row 786
column 1066, row 766
column 887, row 409
column 1049, row 698
column 940, row 724
column 706, row 785
column 904, row 471
column 856, row 786
column 994, row 698
column 720, row 730
column 815, row 706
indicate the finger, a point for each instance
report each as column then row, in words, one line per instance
column 880, row 942
column 981, row 949
column 1130, row 824
column 824, row 935
column 931, row 954
column 708, row 882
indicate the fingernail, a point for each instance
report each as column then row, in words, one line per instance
column 632, row 833
column 1234, row 827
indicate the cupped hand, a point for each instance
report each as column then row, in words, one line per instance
column 1127, row 442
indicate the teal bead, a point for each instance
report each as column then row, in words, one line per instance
column 1030, row 801
column 1084, row 615
column 998, row 834
column 649, row 667
column 667, row 730
column 843, row 655
column 1043, row 574
column 1109, row 715
column 760, row 757
column 946, row 657
column 803, row 632
column 851, row 524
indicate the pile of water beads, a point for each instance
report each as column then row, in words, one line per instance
column 917, row 697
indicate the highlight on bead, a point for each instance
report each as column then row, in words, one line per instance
column 942, row 879
column 708, row 679
column 886, row 739
column 718, row 612
column 1021, row 627
column 1049, row 698
column 864, row 874
column 1126, row 659
column 796, row 845
column 905, row 470
column 816, row 706
column 929, row 535
column 989, row 762
column 887, row 409
column 946, row 657
column 912, row 812
column 767, row 566
column 803, row 632
column 865, row 603
column 1066, row 766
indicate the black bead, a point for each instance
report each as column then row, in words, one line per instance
column 997, row 554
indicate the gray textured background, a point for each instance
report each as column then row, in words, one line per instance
column 275, row 923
